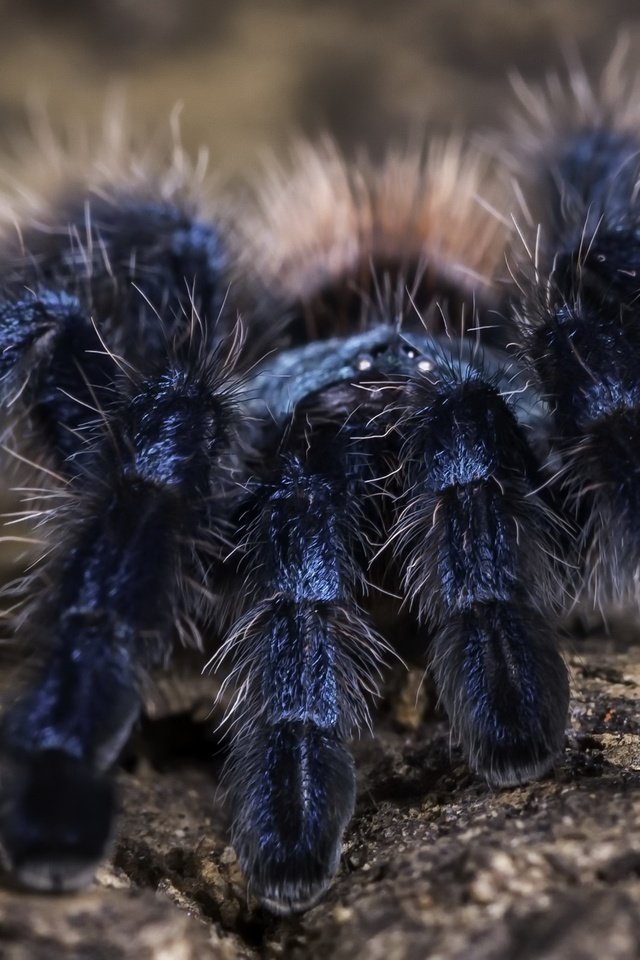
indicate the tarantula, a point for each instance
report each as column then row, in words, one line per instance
column 397, row 415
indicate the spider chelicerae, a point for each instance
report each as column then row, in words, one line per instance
column 423, row 421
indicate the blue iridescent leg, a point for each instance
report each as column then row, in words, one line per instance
column 51, row 358
column 142, row 267
column 475, row 541
column 109, row 616
column 581, row 334
column 312, row 657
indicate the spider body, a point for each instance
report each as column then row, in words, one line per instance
column 374, row 429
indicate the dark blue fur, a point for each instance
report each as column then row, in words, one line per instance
column 47, row 339
column 111, row 615
column 291, row 776
column 137, row 266
column 474, row 540
column 582, row 337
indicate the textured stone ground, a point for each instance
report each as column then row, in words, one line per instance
column 435, row 864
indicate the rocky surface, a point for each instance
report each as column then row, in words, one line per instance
column 435, row 864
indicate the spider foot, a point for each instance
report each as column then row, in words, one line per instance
column 513, row 763
column 511, row 719
column 289, row 824
column 56, row 819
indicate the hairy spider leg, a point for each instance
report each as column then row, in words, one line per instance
column 141, row 484
column 106, row 284
column 144, row 270
column 52, row 360
column 475, row 539
column 580, row 327
column 110, row 618
column 307, row 656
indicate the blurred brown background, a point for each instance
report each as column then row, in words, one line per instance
column 249, row 73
